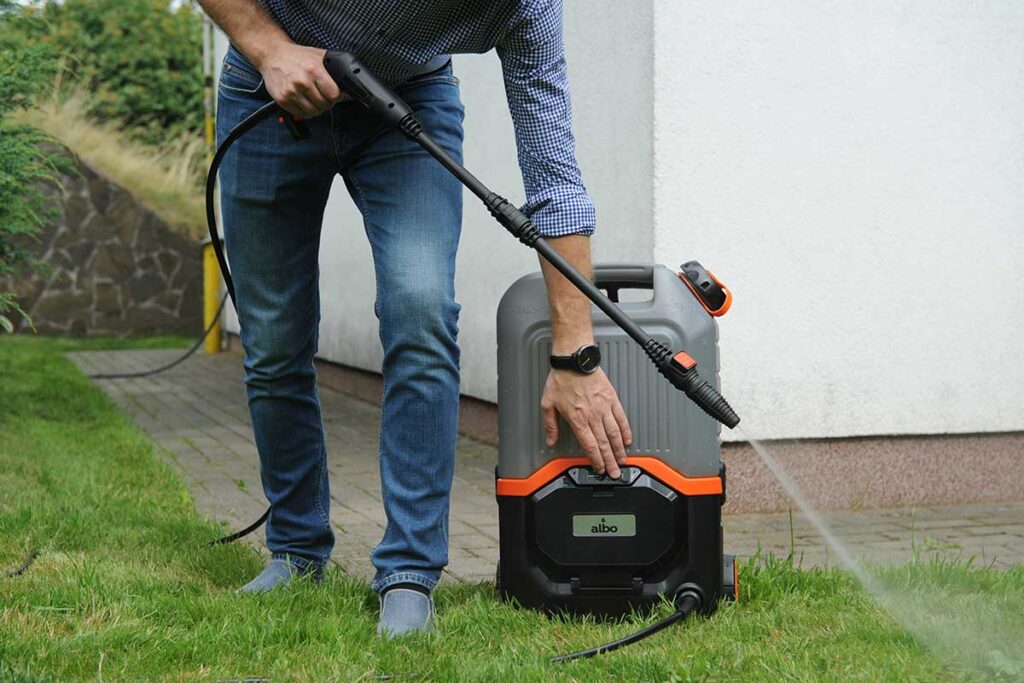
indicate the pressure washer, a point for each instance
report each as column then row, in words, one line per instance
column 573, row 540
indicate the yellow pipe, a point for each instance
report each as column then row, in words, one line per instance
column 208, row 86
column 211, row 298
column 208, row 127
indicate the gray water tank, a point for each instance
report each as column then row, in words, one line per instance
column 665, row 423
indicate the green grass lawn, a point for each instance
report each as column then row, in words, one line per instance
column 123, row 588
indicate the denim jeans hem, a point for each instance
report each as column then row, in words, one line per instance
column 404, row 577
column 301, row 564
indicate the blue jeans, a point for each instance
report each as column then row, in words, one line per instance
column 273, row 193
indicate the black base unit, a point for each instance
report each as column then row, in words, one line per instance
column 586, row 544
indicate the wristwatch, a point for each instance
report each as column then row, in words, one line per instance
column 584, row 360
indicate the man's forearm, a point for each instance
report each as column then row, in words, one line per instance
column 248, row 27
column 570, row 309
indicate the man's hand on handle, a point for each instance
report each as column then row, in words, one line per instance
column 297, row 80
column 589, row 405
column 294, row 75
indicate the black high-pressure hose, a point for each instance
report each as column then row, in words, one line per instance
column 298, row 130
column 263, row 113
column 248, row 123
column 177, row 361
column 687, row 601
column 20, row 569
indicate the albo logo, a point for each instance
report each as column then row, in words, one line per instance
column 603, row 526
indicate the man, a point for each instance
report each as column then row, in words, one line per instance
column 273, row 195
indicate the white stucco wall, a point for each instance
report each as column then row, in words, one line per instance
column 855, row 171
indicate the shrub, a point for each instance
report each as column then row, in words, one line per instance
column 140, row 59
column 25, row 69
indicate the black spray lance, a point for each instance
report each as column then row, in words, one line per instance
column 677, row 367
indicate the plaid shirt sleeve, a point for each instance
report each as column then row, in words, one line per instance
column 532, row 57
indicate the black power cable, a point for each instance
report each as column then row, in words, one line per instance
column 688, row 601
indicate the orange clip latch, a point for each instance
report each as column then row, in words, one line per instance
column 685, row 360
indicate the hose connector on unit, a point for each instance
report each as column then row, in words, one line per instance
column 689, row 598
column 681, row 370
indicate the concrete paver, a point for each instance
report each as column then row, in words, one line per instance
column 196, row 413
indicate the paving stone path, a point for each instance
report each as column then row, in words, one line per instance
column 197, row 414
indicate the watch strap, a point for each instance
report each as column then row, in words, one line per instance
column 576, row 361
column 563, row 362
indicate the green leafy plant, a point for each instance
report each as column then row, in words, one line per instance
column 25, row 161
column 138, row 59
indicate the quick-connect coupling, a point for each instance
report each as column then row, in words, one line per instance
column 512, row 219
column 681, row 370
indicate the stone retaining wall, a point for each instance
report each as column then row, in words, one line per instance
column 114, row 267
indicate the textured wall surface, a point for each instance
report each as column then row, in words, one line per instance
column 113, row 267
column 855, row 171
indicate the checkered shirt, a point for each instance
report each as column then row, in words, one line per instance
column 396, row 37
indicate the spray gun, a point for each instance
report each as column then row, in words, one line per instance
column 677, row 367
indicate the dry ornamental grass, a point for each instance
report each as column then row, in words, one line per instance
column 168, row 181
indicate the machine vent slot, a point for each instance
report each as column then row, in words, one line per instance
column 606, row 582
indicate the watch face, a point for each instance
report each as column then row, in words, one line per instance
column 588, row 359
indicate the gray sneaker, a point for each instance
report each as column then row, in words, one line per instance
column 277, row 574
column 404, row 611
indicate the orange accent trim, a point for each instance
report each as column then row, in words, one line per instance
column 690, row 486
column 728, row 295
column 685, row 359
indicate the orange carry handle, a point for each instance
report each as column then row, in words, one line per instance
column 690, row 486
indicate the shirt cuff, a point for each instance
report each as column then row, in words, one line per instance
column 563, row 213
